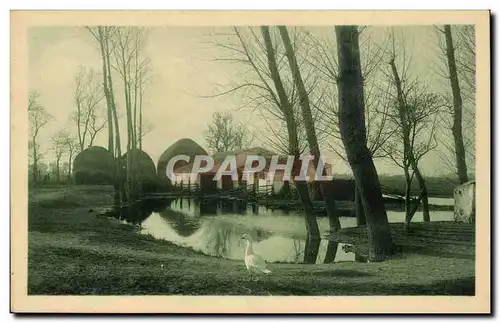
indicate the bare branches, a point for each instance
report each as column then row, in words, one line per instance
column 146, row 128
column 257, row 82
column 456, row 55
column 87, row 96
column 223, row 134
column 38, row 117
column 414, row 116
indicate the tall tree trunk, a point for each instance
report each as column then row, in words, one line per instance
column 311, row 250
column 309, row 125
column 331, row 251
column 140, row 119
column 70, row 159
column 58, row 161
column 35, row 163
column 129, row 131
column 109, row 93
column 286, row 109
column 408, row 147
column 136, row 80
column 81, row 141
column 353, row 133
column 457, row 108
column 109, row 108
column 408, row 181
column 110, row 128
column 423, row 194
column 359, row 209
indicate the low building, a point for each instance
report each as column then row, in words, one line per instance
column 465, row 202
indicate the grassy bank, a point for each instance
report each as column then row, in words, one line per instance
column 73, row 251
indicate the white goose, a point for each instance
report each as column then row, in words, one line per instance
column 255, row 264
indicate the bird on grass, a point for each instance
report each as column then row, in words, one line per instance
column 255, row 264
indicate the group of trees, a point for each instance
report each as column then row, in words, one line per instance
column 123, row 61
column 38, row 117
column 344, row 90
column 224, row 134
column 95, row 97
column 361, row 98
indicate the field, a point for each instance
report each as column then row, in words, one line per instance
column 436, row 186
column 75, row 252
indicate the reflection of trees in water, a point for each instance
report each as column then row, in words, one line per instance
column 207, row 207
column 306, row 251
column 181, row 223
column 311, row 250
column 158, row 205
column 214, row 207
column 220, row 237
column 331, row 251
column 195, row 206
column 138, row 212
column 232, row 207
column 298, row 249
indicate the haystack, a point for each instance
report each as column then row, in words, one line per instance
column 183, row 146
column 95, row 166
column 145, row 171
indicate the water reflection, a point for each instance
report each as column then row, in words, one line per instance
column 138, row 212
column 220, row 235
column 331, row 251
column 184, row 224
column 216, row 228
column 311, row 250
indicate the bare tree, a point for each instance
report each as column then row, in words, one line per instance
column 324, row 61
column 309, row 125
column 353, row 132
column 103, row 36
column 272, row 92
column 59, row 148
column 88, row 95
column 465, row 75
column 414, row 118
column 224, row 134
column 142, row 79
column 251, row 62
column 38, row 118
column 131, row 67
column 71, row 144
column 145, row 128
column 287, row 111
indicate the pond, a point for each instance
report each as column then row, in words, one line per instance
column 216, row 228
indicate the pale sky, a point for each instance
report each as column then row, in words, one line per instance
column 182, row 65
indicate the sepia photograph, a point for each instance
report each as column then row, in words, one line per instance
column 250, row 154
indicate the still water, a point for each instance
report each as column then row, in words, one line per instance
column 279, row 236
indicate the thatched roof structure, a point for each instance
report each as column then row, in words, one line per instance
column 145, row 171
column 94, row 165
column 241, row 157
column 145, row 167
column 183, row 146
